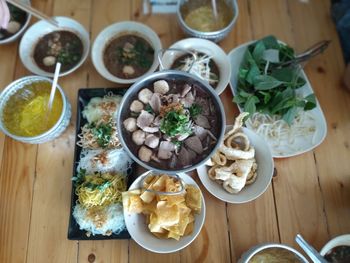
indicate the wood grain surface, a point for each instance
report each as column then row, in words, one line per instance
column 310, row 194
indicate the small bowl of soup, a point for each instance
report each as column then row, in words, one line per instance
column 270, row 252
column 19, row 21
column 337, row 249
column 24, row 114
column 197, row 18
column 43, row 45
column 125, row 52
column 200, row 57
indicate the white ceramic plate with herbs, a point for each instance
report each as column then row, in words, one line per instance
column 311, row 130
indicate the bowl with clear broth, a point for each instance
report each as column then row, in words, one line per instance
column 196, row 18
column 23, row 110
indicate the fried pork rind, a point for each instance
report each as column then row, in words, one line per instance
column 167, row 216
column 234, row 165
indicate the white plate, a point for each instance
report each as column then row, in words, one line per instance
column 250, row 192
column 117, row 29
column 138, row 229
column 42, row 28
column 207, row 47
column 301, row 145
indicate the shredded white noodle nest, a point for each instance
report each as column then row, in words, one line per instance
column 282, row 138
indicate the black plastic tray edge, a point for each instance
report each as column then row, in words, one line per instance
column 74, row 232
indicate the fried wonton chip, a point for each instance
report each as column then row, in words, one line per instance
column 189, row 229
column 193, row 198
column 147, row 197
column 132, row 201
column 167, row 216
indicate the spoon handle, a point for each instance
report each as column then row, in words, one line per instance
column 309, row 250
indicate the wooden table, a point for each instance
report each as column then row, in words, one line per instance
column 310, row 195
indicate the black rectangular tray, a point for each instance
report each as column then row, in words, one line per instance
column 84, row 96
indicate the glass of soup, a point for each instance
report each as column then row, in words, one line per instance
column 24, row 114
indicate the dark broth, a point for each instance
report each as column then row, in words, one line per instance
column 179, row 62
column 214, row 119
column 339, row 254
column 65, row 46
column 16, row 15
column 129, row 51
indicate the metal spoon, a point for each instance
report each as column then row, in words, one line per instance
column 309, row 250
column 53, row 87
column 311, row 52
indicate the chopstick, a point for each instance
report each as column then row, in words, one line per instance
column 34, row 12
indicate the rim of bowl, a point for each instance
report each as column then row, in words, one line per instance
column 222, row 84
column 85, row 42
column 21, row 31
column 138, row 180
column 246, row 256
column 3, row 103
column 342, row 240
column 157, row 76
column 141, row 29
column 211, row 34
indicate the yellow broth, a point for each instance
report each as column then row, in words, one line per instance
column 275, row 255
column 26, row 112
column 201, row 18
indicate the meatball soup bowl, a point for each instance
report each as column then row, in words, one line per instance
column 171, row 121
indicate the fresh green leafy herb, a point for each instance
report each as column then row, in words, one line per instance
column 149, row 109
column 70, row 54
column 80, row 177
column 177, row 143
column 102, row 133
column 195, row 110
column 175, row 123
column 263, row 87
column 136, row 56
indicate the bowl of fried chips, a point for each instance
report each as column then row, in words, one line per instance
column 164, row 213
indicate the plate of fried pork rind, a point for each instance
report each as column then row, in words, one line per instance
column 164, row 213
column 241, row 169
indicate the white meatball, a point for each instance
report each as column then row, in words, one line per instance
column 161, row 86
column 145, row 95
column 136, row 106
column 13, row 27
column 49, row 61
column 145, row 154
column 128, row 70
column 138, row 137
column 130, row 124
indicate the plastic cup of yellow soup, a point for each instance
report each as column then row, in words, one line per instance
column 24, row 113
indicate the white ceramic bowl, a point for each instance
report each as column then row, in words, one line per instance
column 204, row 46
column 343, row 240
column 138, row 229
column 41, row 28
column 22, row 29
column 250, row 192
column 111, row 32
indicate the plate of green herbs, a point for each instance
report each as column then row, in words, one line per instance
column 281, row 103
